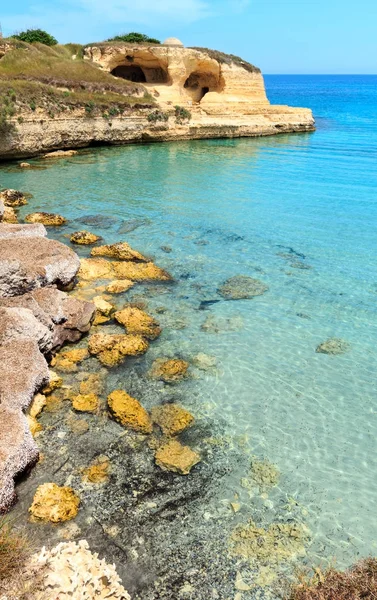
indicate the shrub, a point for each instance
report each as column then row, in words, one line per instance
column 14, row 550
column 134, row 38
column 7, row 110
column 89, row 107
column 354, row 584
column 36, row 35
column 157, row 115
column 182, row 114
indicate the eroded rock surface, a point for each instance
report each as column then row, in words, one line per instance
column 119, row 251
column 45, row 218
column 55, row 504
column 136, row 321
column 84, row 238
column 27, row 263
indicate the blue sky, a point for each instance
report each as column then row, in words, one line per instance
column 292, row 36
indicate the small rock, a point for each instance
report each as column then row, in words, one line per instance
column 166, row 249
column 85, row 402
column 171, row 418
column 55, row 382
column 13, row 198
column 95, row 268
column 98, row 472
column 60, row 154
column 24, row 165
column 175, row 457
column 242, row 287
column 84, row 238
column 46, row 219
column 137, row 321
column 204, row 362
column 169, row 371
column 93, row 384
column 118, row 286
column 333, row 346
column 53, row 503
column 111, row 349
column 37, row 405
column 103, row 307
column 9, row 215
column 120, row 251
column 129, row 412
column 140, row 271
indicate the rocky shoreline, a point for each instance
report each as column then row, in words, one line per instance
column 37, row 318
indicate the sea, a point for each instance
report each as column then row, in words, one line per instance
column 299, row 213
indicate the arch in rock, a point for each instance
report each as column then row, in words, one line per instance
column 198, row 84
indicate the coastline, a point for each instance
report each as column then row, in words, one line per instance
column 36, row 136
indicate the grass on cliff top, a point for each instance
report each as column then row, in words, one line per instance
column 14, row 550
column 357, row 583
column 55, row 66
column 228, row 59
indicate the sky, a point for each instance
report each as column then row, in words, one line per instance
column 279, row 36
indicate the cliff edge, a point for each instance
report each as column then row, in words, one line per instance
column 118, row 93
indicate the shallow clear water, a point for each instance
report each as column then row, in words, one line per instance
column 228, row 207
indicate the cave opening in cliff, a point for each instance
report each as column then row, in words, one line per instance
column 198, row 84
column 130, row 72
column 141, row 74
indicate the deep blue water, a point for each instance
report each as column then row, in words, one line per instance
column 264, row 207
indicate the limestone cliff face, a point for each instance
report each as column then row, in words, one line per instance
column 186, row 76
column 225, row 96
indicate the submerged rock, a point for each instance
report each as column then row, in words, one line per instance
column 278, row 543
column 204, row 362
column 173, row 456
column 264, row 473
column 171, row 418
column 112, row 349
column 45, row 218
column 100, row 221
column 98, row 472
column 24, row 165
column 55, row 382
column 242, row 287
column 53, row 503
column 138, row 322
column 120, row 251
column 84, row 238
column 140, row 272
column 92, row 384
column 129, row 412
column 333, row 346
column 118, row 286
column 60, row 154
column 85, row 402
column 13, row 198
column 170, row 370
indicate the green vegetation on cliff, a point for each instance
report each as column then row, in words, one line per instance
column 134, row 38
column 36, row 35
column 56, row 79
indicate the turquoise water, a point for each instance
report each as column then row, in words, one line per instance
column 267, row 208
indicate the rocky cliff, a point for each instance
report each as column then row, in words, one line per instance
column 194, row 93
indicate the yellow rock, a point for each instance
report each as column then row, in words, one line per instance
column 172, row 419
column 138, row 322
column 55, row 382
column 78, row 426
column 13, row 198
column 95, row 268
column 112, row 349
column 65, row 365
column 177, row 458
column 120, row 251
column 98, row 472
column 9, row 215
column 118, row 286
column 100, row 319
column 46, row 219
column 53, row 403
column 169, row 370
column 85, row 402
column 84, row 238
column 76, row 356
column 93, row 384
column 34, row 426
column 140, row 271
column 103, row 306
column 129, row 412
column 37, row 405
column 53, row 503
